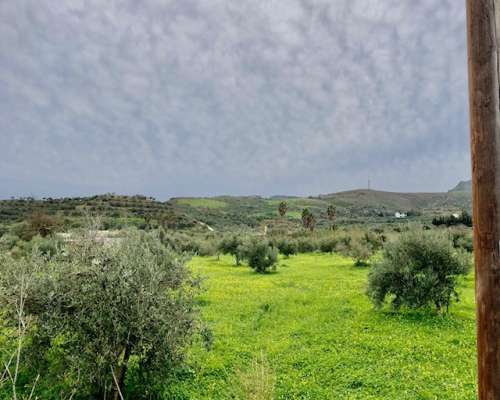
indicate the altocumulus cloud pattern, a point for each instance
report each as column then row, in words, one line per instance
column 239, row 97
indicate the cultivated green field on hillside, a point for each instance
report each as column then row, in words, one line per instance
column 202, row 202
column 310, row 333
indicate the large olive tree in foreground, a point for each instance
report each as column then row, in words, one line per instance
column 101, row 306
column 419, row 269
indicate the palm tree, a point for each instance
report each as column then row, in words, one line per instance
column 331, row 211
column 283, row 208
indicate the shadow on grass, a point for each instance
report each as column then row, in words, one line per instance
column 423, row 317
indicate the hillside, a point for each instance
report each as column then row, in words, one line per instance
column 393, row 201
column 463, row 186
column 354, row 206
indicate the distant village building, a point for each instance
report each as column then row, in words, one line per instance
column 400, row 215
column 456, row 215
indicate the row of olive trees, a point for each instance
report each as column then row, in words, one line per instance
column 419, row 269
column 261, row 255
column 358, row 244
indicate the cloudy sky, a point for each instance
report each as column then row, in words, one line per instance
column 207, row 97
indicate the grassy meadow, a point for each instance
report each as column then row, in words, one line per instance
column 309, row 332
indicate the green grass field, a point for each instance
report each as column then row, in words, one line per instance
column 202, row 202
column 309, row 332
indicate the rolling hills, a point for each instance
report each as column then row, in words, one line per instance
column 354, row 206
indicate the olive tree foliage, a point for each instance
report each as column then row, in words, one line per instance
column 418, row 270
column 232, row 245
column 361, row 251
column 287, row 247
column 106, row 304
column 261, row 256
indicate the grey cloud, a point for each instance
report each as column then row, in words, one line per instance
column 209, row 97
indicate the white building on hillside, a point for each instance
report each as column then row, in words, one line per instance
column 400, row 215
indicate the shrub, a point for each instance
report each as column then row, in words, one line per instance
column 232, row 245
column 37, row 224
column 287, row 247
column 307, row 245
column 360, row 251
column 8, row 242
column 48, row 246
column 420, row 269
column 261, row 256
column 344, row 241
column 462, row 239
column 205, row 248
column 376, row 241
column 328, row 245
column 102, row 306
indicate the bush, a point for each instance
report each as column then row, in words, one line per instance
column 376, row 241
column 328, row 245
column 462, row 239
column 344, row 241
column 37, row 224
column 48, row 246
column 205, row 248
column 100, row 306
column 420, row 269
column 8, row 242
column 261, row 256
column 360, row 251
column 307, row 245
column 287, row 247
column 359, row 245
column 232, row 245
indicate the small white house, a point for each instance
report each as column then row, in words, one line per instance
column 456, row 215
column 400, row 215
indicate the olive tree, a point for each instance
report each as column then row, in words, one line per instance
column 108, row 304
column 232, row 245
column 261, row 255
column 418, row 270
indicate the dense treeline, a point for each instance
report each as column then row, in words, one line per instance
column 462, row 219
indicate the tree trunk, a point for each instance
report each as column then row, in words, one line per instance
column 120, row 376
column 483, row 23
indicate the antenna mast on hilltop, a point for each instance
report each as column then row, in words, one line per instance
column 483, row 26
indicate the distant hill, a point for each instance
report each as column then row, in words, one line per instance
column 463, row 186
column 394, row 201
column 354, row 206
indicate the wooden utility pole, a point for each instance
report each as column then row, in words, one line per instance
column 483, row 25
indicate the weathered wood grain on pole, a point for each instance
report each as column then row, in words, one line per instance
column 483, row 22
